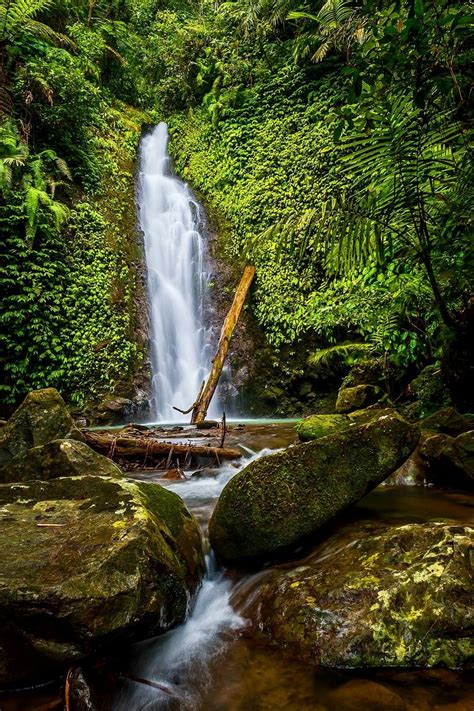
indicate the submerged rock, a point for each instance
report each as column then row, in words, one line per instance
column 278, row 500
column 41, row 417
column 357, row 397
column 365, row 695
column 376, row 596
column 62, row 457
column 85, row 561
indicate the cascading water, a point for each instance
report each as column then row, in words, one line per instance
column 171, row 221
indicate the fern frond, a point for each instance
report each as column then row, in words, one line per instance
column 333, row 359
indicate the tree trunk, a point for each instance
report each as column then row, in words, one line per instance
column 202, row 403
column 129, row 447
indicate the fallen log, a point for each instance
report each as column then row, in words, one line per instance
column 146, row 448
column 204, row 398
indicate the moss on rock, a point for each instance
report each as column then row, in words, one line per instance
column 357, row 397
column 42, row 417
column 317, row 426
column 62, row 457
column 278, row 500
column 376, row 596
column 87, row 560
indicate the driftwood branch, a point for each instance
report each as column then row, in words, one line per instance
column 138, row 448
column 186, row 412
column 205, row 396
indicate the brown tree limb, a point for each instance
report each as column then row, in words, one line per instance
column 204, row 399
column 136, row 447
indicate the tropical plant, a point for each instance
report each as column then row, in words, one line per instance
column 18, row 20
column 405, row 173
column 337, row 26
column 333, row 359
column 37, row 175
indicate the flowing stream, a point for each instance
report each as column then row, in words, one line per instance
column 172, row 223
column 214, row 663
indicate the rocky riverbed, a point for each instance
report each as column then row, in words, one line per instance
column 319, row 617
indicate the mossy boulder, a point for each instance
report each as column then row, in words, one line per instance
column 62, row 457
column 278, row 500
column 42, row 417
column 448, row 421
column 357, row 397
column 317, row 426
column 430, row 390
column 376, row 596
column 87, row 561
column 366, row 372
column 449, row 460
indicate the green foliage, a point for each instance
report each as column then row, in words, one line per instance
column 331, row 360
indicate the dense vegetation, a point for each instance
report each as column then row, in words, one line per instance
column 330, row 141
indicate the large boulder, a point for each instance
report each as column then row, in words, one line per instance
column 62, row 457
column 448, row 421
column 357, row 397
column 449, row 460
column 86, row 561
column 278, row 500
column 41, row 417
column 376, row 596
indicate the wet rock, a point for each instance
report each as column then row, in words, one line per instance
column 365, row 695
column 449, row 460
column 174, row 474
column 78, row 693
column 357, row 397
column 206, row 472
column 447, row 421
column 278, row 500
column 41, row 417
column 87, row 561
column 113, row 411
column 376, row 596
column 411, row 473
column 207, row 425
column 317, row 426
column 62, row 457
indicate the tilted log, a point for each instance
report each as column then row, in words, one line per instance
column 122, row 446
column 204, row 399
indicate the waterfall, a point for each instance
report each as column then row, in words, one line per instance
column 172, row 224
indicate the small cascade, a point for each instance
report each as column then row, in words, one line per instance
column 171, row 221
column 179, row 661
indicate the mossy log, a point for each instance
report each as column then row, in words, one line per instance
column 204, row 398
column 146, row 449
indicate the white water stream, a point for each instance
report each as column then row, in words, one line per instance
column 172, row 224
column 179, row 660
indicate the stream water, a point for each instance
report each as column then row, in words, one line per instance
column 172, row 223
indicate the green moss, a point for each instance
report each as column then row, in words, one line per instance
column 279, row 499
